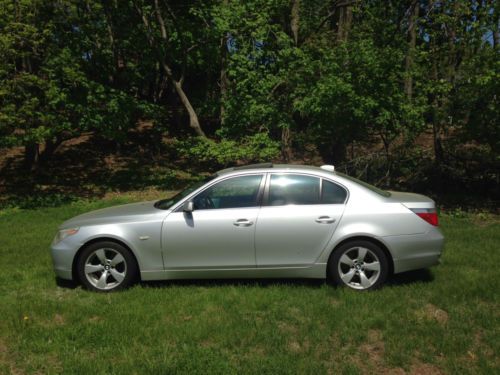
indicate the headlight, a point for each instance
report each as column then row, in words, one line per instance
column 63, row 233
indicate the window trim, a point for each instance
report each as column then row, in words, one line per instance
column 265, row 200
column 260, row 193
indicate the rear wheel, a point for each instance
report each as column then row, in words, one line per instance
column 106, row 266
column 360, row 265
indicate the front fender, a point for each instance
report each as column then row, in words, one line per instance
column 142, row 238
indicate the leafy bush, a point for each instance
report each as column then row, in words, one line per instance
column 207, row 153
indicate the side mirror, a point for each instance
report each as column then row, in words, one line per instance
column 188, row 206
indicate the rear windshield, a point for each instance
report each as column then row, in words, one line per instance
column 375, row 189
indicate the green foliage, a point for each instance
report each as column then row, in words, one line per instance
column 45, row 91
column 209, row 153
column 267, row 78
column 480, row 101
column 340, row 91
column 256, row 68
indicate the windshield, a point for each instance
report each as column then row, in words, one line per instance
column 165, row 204
column 368, row 186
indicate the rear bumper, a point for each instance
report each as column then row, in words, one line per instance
column 412, row 252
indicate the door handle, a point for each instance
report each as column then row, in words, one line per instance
column 243, row 223
column 325, row 220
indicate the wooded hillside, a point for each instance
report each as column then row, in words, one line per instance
column 401, row 93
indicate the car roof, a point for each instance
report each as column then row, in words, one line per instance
column 270, row 167
column 326, row 171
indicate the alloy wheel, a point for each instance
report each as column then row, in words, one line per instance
column 359, row 267
column 105, row 268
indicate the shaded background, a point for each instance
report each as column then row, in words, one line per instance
column 100, row 96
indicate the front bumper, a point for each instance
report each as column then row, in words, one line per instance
column 63, row 254
column 413, row 252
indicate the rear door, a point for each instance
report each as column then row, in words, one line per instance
column 298, row 218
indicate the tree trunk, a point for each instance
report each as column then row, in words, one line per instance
column 51, row 146
column 194, row 123
column 438, row 146
column 224, row 82
column 108, row 13
column 496, row 33
column 294, row 21
column 388, row 160
column 286, row 147
column 343, row 20
column 31, row 155
column 286, row 132
column 333, row 153
column 434, row 100
column 412, row 37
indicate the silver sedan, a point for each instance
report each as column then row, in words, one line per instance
column 259, row 221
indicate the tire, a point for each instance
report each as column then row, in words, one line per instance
column 106, row 266
column 359, row 265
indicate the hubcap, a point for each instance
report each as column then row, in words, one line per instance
column 359, row 268
column 105, row 268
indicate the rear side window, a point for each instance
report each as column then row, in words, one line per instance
column 293, row 189
column 303, row 190
column 332, row 193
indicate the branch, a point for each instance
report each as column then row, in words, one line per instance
column 160, row 22
column 149, row 35
column 275, row 87
column 324, row 20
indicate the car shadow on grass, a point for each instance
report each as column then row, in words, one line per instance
column 411, row 277
column 313, row 283
column 67, row 284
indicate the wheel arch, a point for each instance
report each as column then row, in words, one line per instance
column 101, row 239
column 374, row 241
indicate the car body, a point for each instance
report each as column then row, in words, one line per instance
column 260, row 221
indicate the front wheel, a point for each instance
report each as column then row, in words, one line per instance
column 106, row 266
column 360, row 265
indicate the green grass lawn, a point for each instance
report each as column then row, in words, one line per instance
column 445, row 320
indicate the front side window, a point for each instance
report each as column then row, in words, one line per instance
column 234, row 192
column 293, row 189
column 165, row 204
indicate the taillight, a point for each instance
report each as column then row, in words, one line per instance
column 428, row 214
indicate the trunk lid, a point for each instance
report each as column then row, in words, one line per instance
column 412, row 200
column 422, row 206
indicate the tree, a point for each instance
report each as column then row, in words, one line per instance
column 46, row 93
column 161, row 44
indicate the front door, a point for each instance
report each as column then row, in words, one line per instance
column 220, row 232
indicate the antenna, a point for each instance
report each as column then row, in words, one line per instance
column 327, row 167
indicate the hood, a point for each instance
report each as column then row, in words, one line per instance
column 123, row 213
